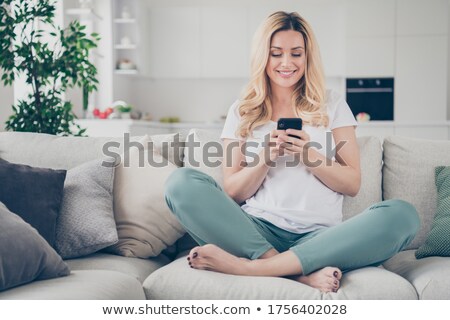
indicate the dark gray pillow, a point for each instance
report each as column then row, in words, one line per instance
column 25, row 255
column 34, row 194
column 86, row 221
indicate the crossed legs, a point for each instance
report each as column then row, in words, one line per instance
column 230, row 242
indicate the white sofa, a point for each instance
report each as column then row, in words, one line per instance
column 399, row 168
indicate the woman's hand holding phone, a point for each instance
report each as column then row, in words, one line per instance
column 292, row 139
column 294, row 145
column 272, row 151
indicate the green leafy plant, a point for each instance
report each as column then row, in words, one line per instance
column 26, row 31
column 124, row 108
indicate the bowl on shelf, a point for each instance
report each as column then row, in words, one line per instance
column 125, row 64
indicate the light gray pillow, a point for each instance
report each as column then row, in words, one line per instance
column 24, row 254
column 86, row 221
column 408, row 174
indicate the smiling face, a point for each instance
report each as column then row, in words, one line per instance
column 287, row 59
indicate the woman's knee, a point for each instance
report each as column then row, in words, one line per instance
column 400, row 214
column 179, row 181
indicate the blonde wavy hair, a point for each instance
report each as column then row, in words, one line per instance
column 255, row 107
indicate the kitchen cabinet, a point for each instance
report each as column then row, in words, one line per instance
column 327, row 19
column 368, row 18
column 174, row 34
column 437, row 130
column 420, row 17
column 421, row 78
column 224, row 46
column 370, row 45
column 434, row 131
column 214, row 42
column 370, row 57
column 380, row 129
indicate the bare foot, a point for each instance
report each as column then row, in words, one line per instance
column 326, row 279
column 211, row 257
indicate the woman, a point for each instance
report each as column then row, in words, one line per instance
column 290, row 222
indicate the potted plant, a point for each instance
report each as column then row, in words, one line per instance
column 49, row 70
column 123, row 108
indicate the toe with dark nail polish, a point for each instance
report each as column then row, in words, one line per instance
column 188, row 258
column 335, row 274
column 195, row 255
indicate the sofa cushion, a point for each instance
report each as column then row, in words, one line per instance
column 86, row 221
column 25, row 255
column 145, row 224
column 438, row 240
column 49, row 151
column 408, row 174
column 203, row 151
column 430, row 276
column 370, row 191
column 35, row 194
column 80, row 285
column 178, row 281
column 139, row 269
column 170, row 146
column 370, row 150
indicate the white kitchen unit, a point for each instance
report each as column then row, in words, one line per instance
column 421, row 60
column 438, row 130
column 368, row 18
column 118, row 127
column 380, row 129
column 215, row 40
column 421, row 82
column 174, row 37
column 222, row 42
column 370, row 45
column 197, row 57
column 370, row 57
column 422, row 17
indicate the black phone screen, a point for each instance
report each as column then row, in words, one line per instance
column 290, row 123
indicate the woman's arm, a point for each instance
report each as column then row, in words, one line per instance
column 242, row 181
column 342, row 175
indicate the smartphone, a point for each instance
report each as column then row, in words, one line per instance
column 290, row 123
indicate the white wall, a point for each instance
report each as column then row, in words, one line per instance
column 189, row 99
column 448, row 64
column 6, row 101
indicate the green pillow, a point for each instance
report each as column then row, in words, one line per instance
column 438, row 239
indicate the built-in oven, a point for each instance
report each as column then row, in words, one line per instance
column 371, row 96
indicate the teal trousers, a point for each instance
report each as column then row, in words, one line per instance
column 209, row 215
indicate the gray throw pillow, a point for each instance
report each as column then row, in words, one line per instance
column 438, row 239
column 34, row 194
column 24, row 254
column 86, row 221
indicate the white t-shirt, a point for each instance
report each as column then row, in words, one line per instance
column 291, row 197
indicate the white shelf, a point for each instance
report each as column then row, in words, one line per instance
column 131, row 71
column 125, row 46
column 83, row 12
column 123, row 20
